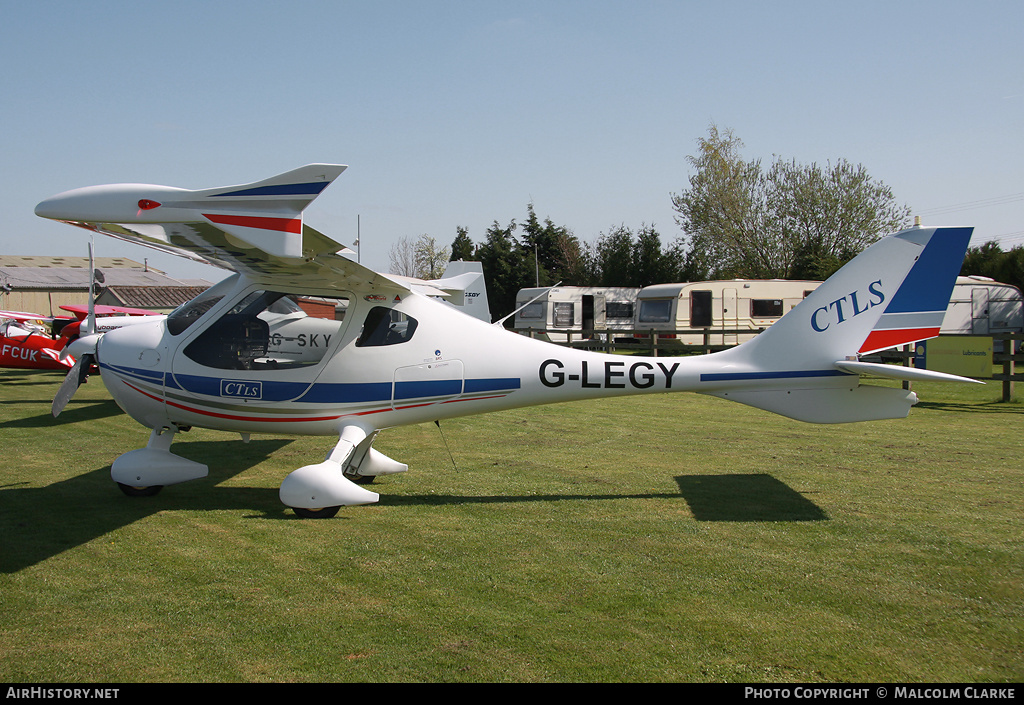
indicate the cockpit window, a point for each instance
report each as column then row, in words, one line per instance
column 179, row 320
column 385, row 327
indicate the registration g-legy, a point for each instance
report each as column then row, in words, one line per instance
column 233, row 358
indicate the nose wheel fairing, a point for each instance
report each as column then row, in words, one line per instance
column 155, row 465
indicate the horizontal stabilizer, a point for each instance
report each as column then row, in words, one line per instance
column 908, row 374
column 828, row 405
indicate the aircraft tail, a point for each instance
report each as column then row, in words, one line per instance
column 467, row 288
column 806, row 365
column 462, row 285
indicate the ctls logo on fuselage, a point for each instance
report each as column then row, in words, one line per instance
column 845, row 308
column 241, row 389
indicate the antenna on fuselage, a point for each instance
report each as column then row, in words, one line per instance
column 438, row 424
column 501, row 321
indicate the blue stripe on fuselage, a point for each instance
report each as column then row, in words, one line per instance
column 326, row 393
column 741, row 376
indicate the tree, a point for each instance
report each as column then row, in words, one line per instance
column 719, row 213
column 622, row 258
column 574, row 259
column 462, row 247
column 402, row 258
column 613, row 254
column 793, row 221
column 553, row 248
column 652, row 265
column 420, row 258
column 990, row 260
column 826, row 216
column 504, row 270
column 430, row 259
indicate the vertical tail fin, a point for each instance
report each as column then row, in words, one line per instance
column 894, row 293
column 468, row 288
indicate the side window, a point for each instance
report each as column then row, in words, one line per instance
column 234, row 342
column 385, row 327
column 267, row 330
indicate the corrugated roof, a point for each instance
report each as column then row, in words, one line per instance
column 32, row 278
column 151, row 297
column 69, row 262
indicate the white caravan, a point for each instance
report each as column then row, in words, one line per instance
column 982, row 306
column 728, row 308
column 562, row 310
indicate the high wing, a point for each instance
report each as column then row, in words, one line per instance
column 256, row 229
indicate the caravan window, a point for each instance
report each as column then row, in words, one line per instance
column 655, row 310
column 765, row 308
column 532, row 312
column 565, row 315
column 619, row 309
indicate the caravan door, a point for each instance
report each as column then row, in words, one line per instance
column 593, row 312
column 979, row 311
column 730, row 316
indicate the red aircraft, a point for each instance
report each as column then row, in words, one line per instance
column 26, row 341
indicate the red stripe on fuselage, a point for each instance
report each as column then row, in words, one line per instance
column 288, row 419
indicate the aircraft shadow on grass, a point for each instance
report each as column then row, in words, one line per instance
column 76, row 412
column 26, row 378
column 38, row 523
column 993, row 407
column 750, row 497
column 747, row 497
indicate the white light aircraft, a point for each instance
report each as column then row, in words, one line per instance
column 240, row 358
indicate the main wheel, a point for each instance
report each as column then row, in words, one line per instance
column 132, row 491
column 323, row 513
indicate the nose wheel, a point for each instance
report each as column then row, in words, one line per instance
column 133, row 491
column 323, row 513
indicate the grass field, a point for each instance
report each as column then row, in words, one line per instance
column 666, row 538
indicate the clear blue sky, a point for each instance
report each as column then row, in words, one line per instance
column 462, row 113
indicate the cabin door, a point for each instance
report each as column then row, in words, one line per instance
column 428, row 383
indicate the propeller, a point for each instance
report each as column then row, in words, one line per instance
column 83, row 349
column 84, row 352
